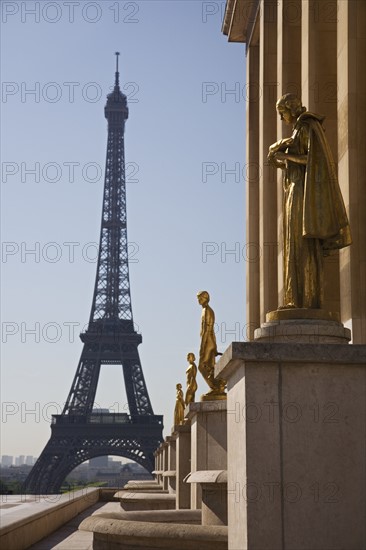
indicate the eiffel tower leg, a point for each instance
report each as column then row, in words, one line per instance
column 82, row 394
column 136, row 391
column 43, row 477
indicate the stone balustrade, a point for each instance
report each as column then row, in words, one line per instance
column 29, row 518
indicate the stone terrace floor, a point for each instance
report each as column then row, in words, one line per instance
column 68, row 537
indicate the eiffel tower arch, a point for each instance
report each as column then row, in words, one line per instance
column 81, row 433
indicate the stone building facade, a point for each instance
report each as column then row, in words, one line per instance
column 314, row 48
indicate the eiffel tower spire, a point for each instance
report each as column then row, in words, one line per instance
column 116, row 84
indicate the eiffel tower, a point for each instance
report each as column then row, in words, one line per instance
column 81, row 433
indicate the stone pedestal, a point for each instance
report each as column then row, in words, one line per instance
column 171, row 472
column 137, row 486
column 142, row 483
column 296, row 445
column 306, row 332
column 158, row 472
column 154, row 535
column 165, row 467
column 182, row 436
column 139, row 500
column 208, row 441
column 214, row 495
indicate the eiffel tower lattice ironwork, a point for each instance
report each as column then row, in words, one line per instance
column 80, row 433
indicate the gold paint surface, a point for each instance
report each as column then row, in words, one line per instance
column 191, row 373
column 208, row 350
column 287, row 314
column 314, row 216
column 179, row 406
column 210, row 396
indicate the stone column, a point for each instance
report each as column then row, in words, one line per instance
column 319, row 95
column 171, row 473
column 165, row 467
column 288, row 51
column 267, row 136
column 159, row 472
column 182, row 436
column 351, row 33
column 155, row 461
column 289, row 81
column 208, row 441
column 296, row 445
column 253, row 248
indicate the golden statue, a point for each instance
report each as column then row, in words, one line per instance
column 314, row 217
column 208, row 350
column 179, row 406
column 191, row 379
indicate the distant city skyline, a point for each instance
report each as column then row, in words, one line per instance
column 10, row 460
column 29, row 460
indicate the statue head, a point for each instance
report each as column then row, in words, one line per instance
column 191, row 357
column 203, row 297
column 289, row 107
column 179, row 386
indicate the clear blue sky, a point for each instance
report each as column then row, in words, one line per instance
column 184, row 130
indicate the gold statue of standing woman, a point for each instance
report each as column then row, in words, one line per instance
column 208, row 350
column 314, row 216
column 179, row 406
column 191, row 373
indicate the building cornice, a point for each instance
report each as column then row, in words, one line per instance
column 238, row 19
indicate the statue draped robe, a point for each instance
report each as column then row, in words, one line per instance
column 314, row 216
column 208, row 349
column 179, row 408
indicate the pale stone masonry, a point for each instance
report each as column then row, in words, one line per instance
column 314, row 48
column 182, row 436
column 296, row 425
column 208, row 441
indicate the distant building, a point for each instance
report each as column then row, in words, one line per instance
column 29, row 460
column 114, row 464
column 6, row 461
column 99, row 462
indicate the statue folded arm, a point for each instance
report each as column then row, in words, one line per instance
column 299, row 159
